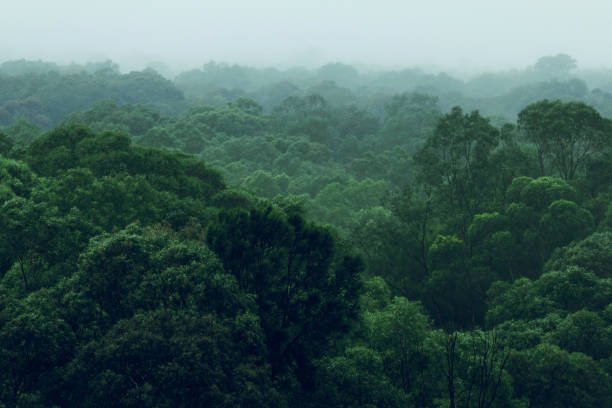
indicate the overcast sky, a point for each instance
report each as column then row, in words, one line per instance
column 452, row 34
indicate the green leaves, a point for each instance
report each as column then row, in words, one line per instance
column 550, row 377
column 541, row 192
column 305, row 291
column 168, row 358
column 566, row 135
column 34, row 343
column 594, row 254
column 455, row 163
column 565, row 222
column 586, row 332
column 358, row 378
column 173, row 328
column 567, row 290
column 398, row 332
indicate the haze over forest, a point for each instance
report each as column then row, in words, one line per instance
column 457, row 37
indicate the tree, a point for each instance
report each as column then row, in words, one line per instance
column 475, row 369
column 6, row 144
column 357, row 378
column 341, row 73
column 594, row 254
column 310, row 116
column 248, row 105
column 160, row 323
column 518, row 300
column 23, row 236
column 335, row 95
column 410, row 119
column 574, row 288
column 455, row 290
column 306, row 289
column 169, row 357
column 565, row 291
column 23, row 131
column 543, row 191
column 585, row 332
column 566, row 135
column 493, row 245
column 455, row 161
column 550, row 377
column 34, row 342
column 563, row 223
column 558, row 65
column 17, row 177
column 398, row 332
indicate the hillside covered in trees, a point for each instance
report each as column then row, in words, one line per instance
column 322, row 237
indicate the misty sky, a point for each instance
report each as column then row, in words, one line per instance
column 464, row 34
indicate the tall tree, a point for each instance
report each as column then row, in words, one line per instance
column 454, row 162
column 306, row 290
column 566, row 135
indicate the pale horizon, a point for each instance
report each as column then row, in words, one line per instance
column 456, row 37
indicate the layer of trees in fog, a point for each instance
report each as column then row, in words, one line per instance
column 238, row 236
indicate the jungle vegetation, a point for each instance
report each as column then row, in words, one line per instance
column 241, row 237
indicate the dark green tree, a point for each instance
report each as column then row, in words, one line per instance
column 306, row 290
column 550, row 377
column 454, row 162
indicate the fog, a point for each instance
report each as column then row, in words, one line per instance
column 460, row 37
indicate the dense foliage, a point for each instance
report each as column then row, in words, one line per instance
column 244, row 237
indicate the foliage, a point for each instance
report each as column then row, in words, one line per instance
column 566, row 135
column 374, row 249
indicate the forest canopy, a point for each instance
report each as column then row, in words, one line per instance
column 249, row 237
